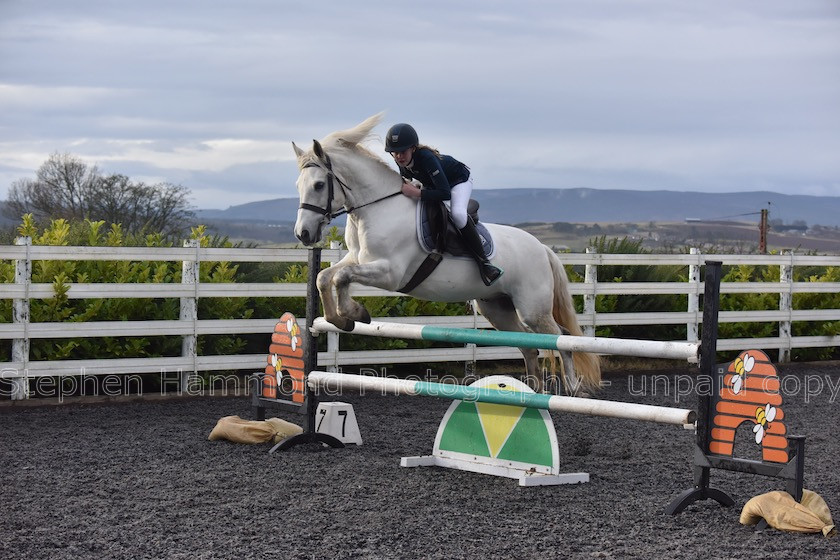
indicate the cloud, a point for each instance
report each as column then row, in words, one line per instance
column 610, row 93
column 210, row 155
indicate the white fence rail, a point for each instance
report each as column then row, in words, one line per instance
column 21, row 369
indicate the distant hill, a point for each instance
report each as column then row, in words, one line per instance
column 514, row 206
column 277, row 210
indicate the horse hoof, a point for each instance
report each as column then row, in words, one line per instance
column 359, row 313
column 344, row 323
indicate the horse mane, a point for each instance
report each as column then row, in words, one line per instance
column 351, row 140
column 355, row 135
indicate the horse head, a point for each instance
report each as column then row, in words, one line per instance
column 327, row 180
column 320, row 197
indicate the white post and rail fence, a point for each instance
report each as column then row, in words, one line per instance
column 21, row 331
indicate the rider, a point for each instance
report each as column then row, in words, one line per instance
column 444, row 179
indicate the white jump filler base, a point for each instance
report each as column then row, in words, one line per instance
column 338, row 420
column 498, row 439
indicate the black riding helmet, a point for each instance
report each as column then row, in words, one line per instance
column 401, row 137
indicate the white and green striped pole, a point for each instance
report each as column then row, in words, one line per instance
column 592, row 407
column 599, row 345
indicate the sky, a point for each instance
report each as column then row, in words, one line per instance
column 712, row 96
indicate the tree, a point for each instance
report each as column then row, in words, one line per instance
column 66, row 187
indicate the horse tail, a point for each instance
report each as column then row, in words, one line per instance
column 587, row 365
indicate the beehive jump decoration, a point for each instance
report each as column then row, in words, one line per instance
column 285, row 360
column 750, row 393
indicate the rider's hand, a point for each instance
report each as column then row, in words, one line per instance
column 410, row 190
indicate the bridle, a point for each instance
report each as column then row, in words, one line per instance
column 332, row 178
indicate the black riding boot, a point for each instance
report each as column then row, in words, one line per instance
column 489, row 272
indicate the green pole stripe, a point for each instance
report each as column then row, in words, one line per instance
column 482, row 394
column 490, row 337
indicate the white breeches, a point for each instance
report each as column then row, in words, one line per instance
column 458, row 203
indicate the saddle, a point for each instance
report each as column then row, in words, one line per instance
column 437, row 233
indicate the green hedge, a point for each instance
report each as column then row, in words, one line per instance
column 89, row 233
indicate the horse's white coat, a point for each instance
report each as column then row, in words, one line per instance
column 383, row 251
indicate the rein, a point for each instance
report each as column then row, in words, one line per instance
column 331, row 176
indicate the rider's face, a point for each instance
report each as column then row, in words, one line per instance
column 403, row 158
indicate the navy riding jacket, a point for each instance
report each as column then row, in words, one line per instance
column 438, row 174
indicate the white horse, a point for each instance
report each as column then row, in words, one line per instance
column 339, row 175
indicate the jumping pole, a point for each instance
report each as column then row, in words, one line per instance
column 567, row 343
column 591, row 407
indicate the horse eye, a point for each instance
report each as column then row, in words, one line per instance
column 319, row 186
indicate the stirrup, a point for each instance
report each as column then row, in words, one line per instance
column 490, row 273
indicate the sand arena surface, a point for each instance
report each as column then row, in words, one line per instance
column 140, row 480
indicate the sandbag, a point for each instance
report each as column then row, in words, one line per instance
column 235, row 429
column 782, row 512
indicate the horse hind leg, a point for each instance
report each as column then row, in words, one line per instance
column 502, row 315
column 567, row 381
column 572, row 384
column 562, row 314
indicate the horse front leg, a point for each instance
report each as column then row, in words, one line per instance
column 376, row 274
column 340, row 309
column 325, row 284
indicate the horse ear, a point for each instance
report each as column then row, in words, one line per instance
column 319, row 151
column 298, row 152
